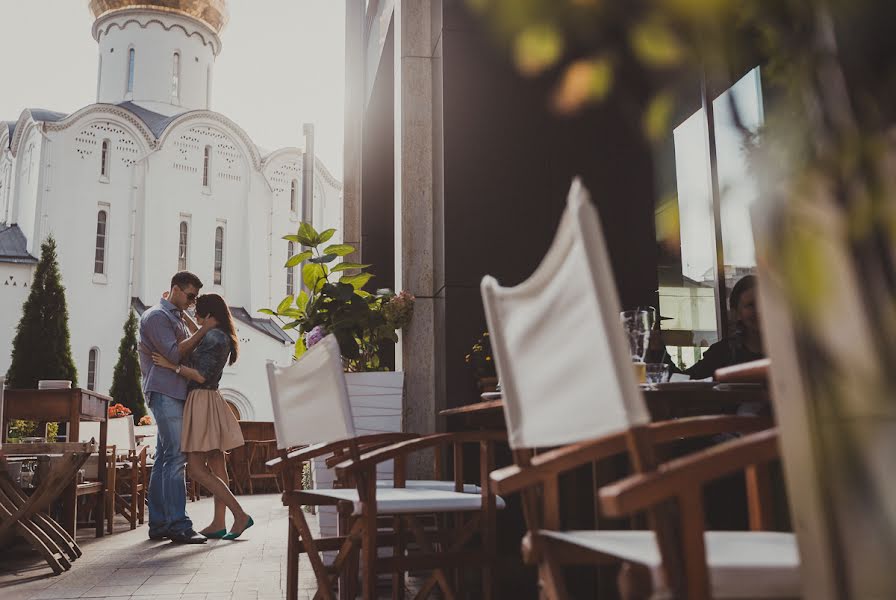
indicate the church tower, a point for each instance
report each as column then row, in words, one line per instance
column 159, row 54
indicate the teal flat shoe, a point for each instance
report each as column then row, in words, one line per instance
column 216, row 535
column 233, row 536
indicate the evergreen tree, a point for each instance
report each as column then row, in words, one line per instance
column 41, row 348
column 126, row 387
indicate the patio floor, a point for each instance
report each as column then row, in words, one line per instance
column 128, row 564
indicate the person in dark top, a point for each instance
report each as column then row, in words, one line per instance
column 209, row 427
column 746, row 343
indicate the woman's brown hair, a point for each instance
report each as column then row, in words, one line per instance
column 214, row 305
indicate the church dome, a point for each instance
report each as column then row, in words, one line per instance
column 212, row 13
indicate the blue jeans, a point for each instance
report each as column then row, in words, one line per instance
column 167, row 497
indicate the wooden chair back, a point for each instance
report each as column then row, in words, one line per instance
column 562, row 358
column 310, row 397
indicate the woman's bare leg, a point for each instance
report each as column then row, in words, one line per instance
column 199, row 471
column 215, row 461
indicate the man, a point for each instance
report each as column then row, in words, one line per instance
column 165, row 328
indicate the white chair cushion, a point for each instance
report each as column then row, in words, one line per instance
column 742, row 564
column 430, row 484
column 411, row 500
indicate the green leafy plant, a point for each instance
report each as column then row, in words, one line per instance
column 480, row 357
column 333, row 301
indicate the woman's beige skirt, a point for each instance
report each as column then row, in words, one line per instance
column 209, row 424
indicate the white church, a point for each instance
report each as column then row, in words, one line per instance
column 150, row 180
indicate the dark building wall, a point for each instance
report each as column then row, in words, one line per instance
column 378, row 175
column 508, row 163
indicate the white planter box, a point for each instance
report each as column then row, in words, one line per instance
column 376, row 402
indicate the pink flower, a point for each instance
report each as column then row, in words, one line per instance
column 315, row 335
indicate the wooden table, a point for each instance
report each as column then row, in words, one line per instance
column 662, row 404
column 64, row 406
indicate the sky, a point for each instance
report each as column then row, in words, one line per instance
column 282, row 64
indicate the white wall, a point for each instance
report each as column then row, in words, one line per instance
column 155, row 38
column 15, row 283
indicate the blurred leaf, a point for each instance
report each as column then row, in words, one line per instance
column 668, row 225
column 584, row 81
column 537, row 47
column 656, row 44
column 266, row 311
column 300, row 257
column 290, row 325
column 291, row 238
column 347, row 265
column 325, row 235
column 312, row 274
column 339, row 249
column 323, row 259
column 307, row 235
column 356, row 281
column 300, row 348
column 699, row 11
column 657, row 115
column 284, row 304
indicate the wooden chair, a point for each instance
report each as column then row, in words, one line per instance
column 595, row 410
column 311, row 404
column 25, row 516
column 260, row 452
column 92, row 488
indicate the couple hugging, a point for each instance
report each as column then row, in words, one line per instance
column 182, row 361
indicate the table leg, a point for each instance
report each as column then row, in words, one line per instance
column 101, row 508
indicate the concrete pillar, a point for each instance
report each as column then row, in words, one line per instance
column 355, row 77
column 417, row 224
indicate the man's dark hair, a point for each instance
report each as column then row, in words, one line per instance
column 182, row 279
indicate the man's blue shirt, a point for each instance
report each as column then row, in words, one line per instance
column 161, row 329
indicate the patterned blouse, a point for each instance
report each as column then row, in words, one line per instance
column 209, row 358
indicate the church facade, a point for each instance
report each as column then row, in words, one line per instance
column 148, row 181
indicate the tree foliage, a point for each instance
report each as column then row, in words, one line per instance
column 126, row 385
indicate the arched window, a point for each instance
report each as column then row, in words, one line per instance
column 99, row 257
column 219, row 254
column 294, row 196
column 92, row 360
column 175, row 75
column 182, row 248
column 104, row 159
column 290, row 277
column 131, row 58
column 206, row 165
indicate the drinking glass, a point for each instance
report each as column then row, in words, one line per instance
column 637, row 325
column 656, row 373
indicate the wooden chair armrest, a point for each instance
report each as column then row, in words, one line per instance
column 322, row 448
column 402, row 449
column 552, row 463
column 671, row 479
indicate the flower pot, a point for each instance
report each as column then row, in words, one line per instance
column 376, row 401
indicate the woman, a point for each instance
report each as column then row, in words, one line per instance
column 746, row 343
column 210, row 429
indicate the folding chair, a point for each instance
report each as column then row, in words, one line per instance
column 25, row 515
column 311, row 404
column 595, row 411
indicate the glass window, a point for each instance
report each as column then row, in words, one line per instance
column 104, row 159
column 91, row 368
column 175, row 75
column 182, row 248
column 131, row 58
column 290, row 275
column 294, row 195
column 219, row 254
column 206, row 165
column 99, row 257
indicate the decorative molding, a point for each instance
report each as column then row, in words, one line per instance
column 239, row 400
column 249, row 149
column 319, row 167
column 25, row 123
column 209, row 38
column 120, row 116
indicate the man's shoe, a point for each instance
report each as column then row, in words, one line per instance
column 187, row 537
column 158, row 536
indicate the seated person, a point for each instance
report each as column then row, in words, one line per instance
column 746, row 343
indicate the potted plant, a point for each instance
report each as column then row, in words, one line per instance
column 333, row 301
